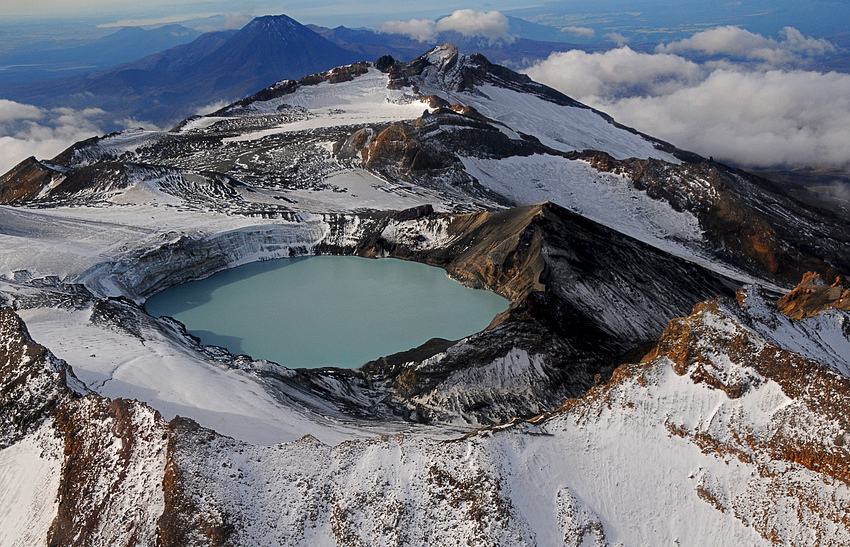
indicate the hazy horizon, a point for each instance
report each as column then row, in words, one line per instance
column 648, row 17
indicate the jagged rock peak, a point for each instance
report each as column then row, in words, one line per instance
column 32, row 381
column 445, row 67
column 442, row 54
column 813, row 295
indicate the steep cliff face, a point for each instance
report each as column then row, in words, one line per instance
column 111, row 489
column 101, row 461
column 25, row 181
column 179, row 258
column 32, row 381
column 35, row 182
column 32, row 388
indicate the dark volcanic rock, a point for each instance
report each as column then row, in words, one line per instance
column 24, row 181
column 32, row 380
column 746, row 219
column 572, row 305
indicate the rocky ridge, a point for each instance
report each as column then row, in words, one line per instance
column 813, row 296
column 108, row 486
column 216, row 162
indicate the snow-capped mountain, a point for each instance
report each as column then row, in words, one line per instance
column 623, row 259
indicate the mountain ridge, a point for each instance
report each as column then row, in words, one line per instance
column 40, row 62
column 162, row 87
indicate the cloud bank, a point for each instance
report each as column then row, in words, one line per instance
column 491, row 25
column 156, row 21
column 617, row 38
column 27, row 130
column 756, row 111
column 422, row 30
column 736, row 42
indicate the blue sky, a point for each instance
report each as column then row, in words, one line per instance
column 818, row 17
column 331, row 12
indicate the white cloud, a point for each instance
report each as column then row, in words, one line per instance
column 11, row 111
column 737, row 42
column 760, row 115
column 237, row 20
column 491, row 25
column 226, row 21
column 764, row 119
column 133, row 123
column 422, row 30
column 615, row 73
column 617, row 38
column 581, row 32
column 27, row 130
column 213, row 107
column 837, row 190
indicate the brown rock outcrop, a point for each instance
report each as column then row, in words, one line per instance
column 812, row 296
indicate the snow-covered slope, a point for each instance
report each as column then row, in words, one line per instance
column 29, row 482
column 522, row 106
column 365, row 99
column 734, row 439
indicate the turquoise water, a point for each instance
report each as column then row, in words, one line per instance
column 319, row 311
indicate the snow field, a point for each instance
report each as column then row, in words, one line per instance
column 363, row 100
column 564, row 128
column 176, row 380
column 29, row 485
